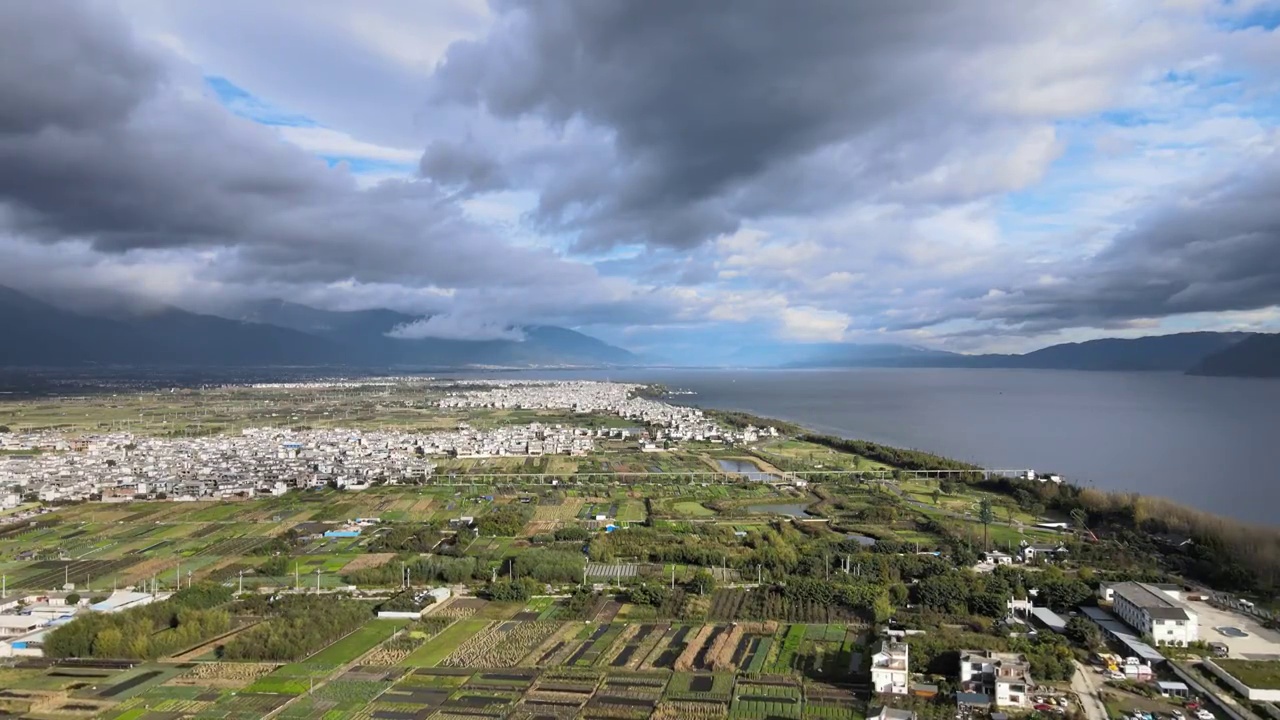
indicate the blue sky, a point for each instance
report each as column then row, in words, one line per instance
column 999, row 178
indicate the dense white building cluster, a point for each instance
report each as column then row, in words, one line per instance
column 621, row 399
column 119, row 466
column 122, row 466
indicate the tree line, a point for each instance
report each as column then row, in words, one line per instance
column 296, row 626
column 152, row 631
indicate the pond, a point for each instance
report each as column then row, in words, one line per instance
column 797, row 510
column 734, row 465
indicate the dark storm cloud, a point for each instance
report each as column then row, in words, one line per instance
column 465, row 166
column 102, row 142
column 715, row 109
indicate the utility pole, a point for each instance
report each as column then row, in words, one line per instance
column 241, row 590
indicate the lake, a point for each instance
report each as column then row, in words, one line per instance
column 1213, row 443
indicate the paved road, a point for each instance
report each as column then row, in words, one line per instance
column 1085, row 686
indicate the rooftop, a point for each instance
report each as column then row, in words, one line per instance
column 1151, row 599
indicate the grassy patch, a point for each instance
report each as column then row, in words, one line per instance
column 442, row 645
column 692, row 509
column 1259, row 674
column 357, row 643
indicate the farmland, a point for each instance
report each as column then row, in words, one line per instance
column 621, row 583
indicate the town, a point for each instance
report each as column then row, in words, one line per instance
column 54, row 466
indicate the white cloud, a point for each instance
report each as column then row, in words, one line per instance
column 335, row 143
column 810, row 324
column 456, row 327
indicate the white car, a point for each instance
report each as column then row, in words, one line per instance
column 1203, row 714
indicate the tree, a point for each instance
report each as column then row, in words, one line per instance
column 986, row 516
column 644, row 594
column 703, row 581
column 1083, row 632
column 73, row 599
column 937, row 495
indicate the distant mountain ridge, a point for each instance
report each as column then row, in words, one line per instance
column 273, row 333
column 1179, row 352
column 1257, row 356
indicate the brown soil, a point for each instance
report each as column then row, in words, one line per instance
column 145, row 569
column 364, row 562
column 720, row 654
column 684, row 663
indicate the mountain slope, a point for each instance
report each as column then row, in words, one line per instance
column 36, row 333
column 1173, row 353
column 1178, row 352
column 869, row 355
column 1257, row 356
column 364, row 332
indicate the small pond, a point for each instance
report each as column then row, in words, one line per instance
column 798, row 510
column 734, row 465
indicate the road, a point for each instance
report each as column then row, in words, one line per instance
column 1085, row 686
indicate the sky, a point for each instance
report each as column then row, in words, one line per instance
column 677, row 178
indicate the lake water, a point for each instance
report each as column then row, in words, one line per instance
column 739, row 466
column 1213, row 443
column 792, row 509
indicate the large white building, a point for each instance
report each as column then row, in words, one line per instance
column 1003, row 677
column 1156, row 612
column 890, row 671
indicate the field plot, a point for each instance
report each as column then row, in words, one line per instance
column 716, row 687
column 612, row 571
column 501, row 645
column 357, row 643
column 443, row 645
column 728, row 605
column 824, row 652
column 563, row 509
column 762, row 698
column 830, row 702
column 48, row 574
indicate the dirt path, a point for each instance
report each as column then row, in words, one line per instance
column 1085, row 686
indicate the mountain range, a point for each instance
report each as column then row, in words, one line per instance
column 278, row 333
column 273, row 333
column 1197, row 353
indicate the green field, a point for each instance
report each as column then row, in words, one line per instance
column 357, row 643
column 1258, row 674
column 439, row 647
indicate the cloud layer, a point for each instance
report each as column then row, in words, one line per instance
column 979, row 175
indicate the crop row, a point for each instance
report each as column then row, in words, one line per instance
column 503, row 645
